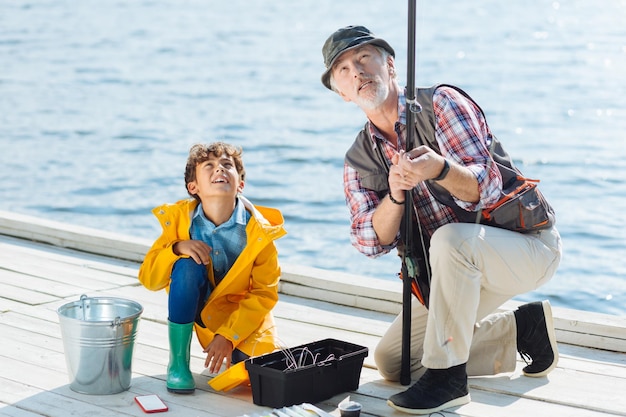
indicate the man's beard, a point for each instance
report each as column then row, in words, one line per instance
column 376, row 96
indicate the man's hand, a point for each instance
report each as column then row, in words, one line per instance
column 417, row 165
column 195, row 249
column 397, row 182
column 422, row 163
column 218, row 350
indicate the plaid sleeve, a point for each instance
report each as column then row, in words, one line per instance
column 463, row 136
column 362, row 203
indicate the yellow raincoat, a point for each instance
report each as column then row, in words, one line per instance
column 239, row 308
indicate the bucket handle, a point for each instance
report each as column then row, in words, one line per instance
column 82, row 307
column 117, row 322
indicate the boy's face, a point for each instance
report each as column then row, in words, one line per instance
column 216, row 178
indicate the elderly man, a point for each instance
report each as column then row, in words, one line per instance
column 474, row 267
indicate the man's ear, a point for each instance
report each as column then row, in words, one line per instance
column 392, row 65
column 343, row 96
column 240, row 186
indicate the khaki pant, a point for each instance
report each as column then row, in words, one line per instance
column 475, row 269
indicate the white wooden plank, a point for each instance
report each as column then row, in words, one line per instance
column 339, row 298
column 36, row 284
column 44, row 252
column 13, row 391
column 7, row 410
column 335, row 281
column 614, row 343
column 74, row 237
column 563, row 386
column 8, row 305
column 62, row 272
column 63, row 402
column 22, row 295
column 485, row 404
column 594, row 356
column 329, row 315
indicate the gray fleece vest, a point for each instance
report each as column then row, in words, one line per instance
column 374, row 170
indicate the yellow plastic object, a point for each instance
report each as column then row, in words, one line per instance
column 230, row 378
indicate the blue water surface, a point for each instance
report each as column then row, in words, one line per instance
column 101, row 100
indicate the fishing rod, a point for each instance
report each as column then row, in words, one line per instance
column 409, row 268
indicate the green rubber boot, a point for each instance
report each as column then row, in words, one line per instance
column 179, row 377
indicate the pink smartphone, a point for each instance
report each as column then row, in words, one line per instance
column 151, row 403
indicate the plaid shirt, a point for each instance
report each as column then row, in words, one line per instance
column 226, row 240
column 463, row 137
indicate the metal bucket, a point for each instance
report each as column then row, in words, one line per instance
column 98, row 338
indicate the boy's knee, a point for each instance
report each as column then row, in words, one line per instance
column 189, row 270
column 188, row 263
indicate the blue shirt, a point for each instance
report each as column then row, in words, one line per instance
column 226, row 240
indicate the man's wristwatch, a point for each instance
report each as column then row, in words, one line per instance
column 444, row 171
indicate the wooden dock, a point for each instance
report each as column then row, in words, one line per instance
column 44, row 265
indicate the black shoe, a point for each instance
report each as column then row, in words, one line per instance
column 436, row 390
column 536, row 339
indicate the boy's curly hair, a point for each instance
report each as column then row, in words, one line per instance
column 200, row 153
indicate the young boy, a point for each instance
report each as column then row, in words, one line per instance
column 217, row 259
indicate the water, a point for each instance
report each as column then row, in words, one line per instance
column 101, row 100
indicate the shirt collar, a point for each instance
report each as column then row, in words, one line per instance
column 375, row 133
column 240, row 213
column 238, row 216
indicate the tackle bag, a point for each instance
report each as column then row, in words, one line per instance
column 521, row 207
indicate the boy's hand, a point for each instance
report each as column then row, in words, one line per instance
column 218, row 350
column 195, row 249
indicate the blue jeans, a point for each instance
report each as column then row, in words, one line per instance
column 189, row 290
